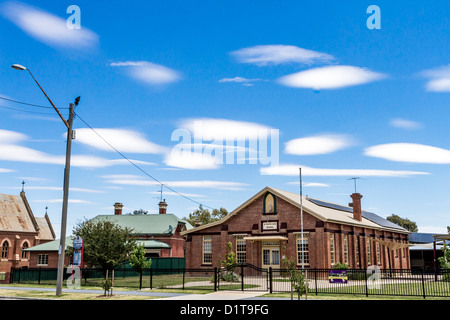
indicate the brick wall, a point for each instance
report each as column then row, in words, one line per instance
column 249, row 222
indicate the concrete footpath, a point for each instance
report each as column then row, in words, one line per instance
column 219, row 295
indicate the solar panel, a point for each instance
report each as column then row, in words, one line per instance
column 368, row 215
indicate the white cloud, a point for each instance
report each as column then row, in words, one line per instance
column 190, row 160
column 330, row 77
column 61, row 200
column 310, row 184
column 405, row 124
column 243, row 81
column 209, row 129
column 263, row 55
column 439, row 79
column 123, row 140
column 293, row 170
column 3, row 170
column 206, row 184
column 61, row 189
column 48, row 28
column 15, row 152
column 319, row 144
column 149, row 73
column 409, row 152
column 433, row 229
column 170, row 193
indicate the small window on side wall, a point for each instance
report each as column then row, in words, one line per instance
column 270, row 204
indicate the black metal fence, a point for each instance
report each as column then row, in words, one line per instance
column 246, row 277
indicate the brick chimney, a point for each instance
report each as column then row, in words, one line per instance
column 162, row 207
column 118, row 208
column 357, row 206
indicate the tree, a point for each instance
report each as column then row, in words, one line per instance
column 106, row 244
column 445, row 259
column 139, row 262
column 204, row 216
column 403, row 222
column 230, row 265
column 296, row 278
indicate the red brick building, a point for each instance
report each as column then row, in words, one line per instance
column 267, row 227
column 160, row 234
column 19, row 230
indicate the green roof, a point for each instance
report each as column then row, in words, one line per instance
column 152, row 224
column 51, row 245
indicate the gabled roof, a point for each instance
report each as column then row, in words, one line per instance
column 152, row 224
column 16, row 216
column 322, row 210
column 51, row 245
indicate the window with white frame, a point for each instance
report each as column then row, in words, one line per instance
column 302, row 248
column 241, row 249
column 369, row 252
column 346, row 249
column 332, row 249
column 207, row 249
column 42, row 260
column 378, row 253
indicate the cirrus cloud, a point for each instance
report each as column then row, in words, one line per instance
column 409, row 152
column 318, row 144
column 330, row 77
column 263, row 55
column 148, row 72
column 46, row 27
column 293, row 170
column 439, row 79
column 123, row 140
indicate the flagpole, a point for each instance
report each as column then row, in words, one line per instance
column 301, row 220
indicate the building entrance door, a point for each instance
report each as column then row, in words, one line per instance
column 271, row 254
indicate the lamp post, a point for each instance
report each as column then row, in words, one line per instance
column 68, row 124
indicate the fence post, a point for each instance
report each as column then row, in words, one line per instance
column 184, row 275
column 367, row 289
column 151, row 278
column 39, row 276
column 315, row 279
column 423, row 284
column 270, row 280
column 215, row 278
column 242, row 277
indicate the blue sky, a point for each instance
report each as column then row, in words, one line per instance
column 347, row 101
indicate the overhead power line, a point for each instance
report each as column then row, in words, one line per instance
column 27, row 104
column 139, row 168
column 27, row 111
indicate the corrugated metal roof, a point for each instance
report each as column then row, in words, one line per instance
column 366, row 214
column 156, row 224
column 326, row 211
column 51, row 245
column 417, row 237
column 14, row 215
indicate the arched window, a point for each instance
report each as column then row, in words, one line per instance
column 270, row 204
column 5, row 246
column 24, row 253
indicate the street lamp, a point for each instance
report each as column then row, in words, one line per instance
column 68, row 124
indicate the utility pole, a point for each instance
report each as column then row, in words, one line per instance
column 70, row 136
column 62, row 243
